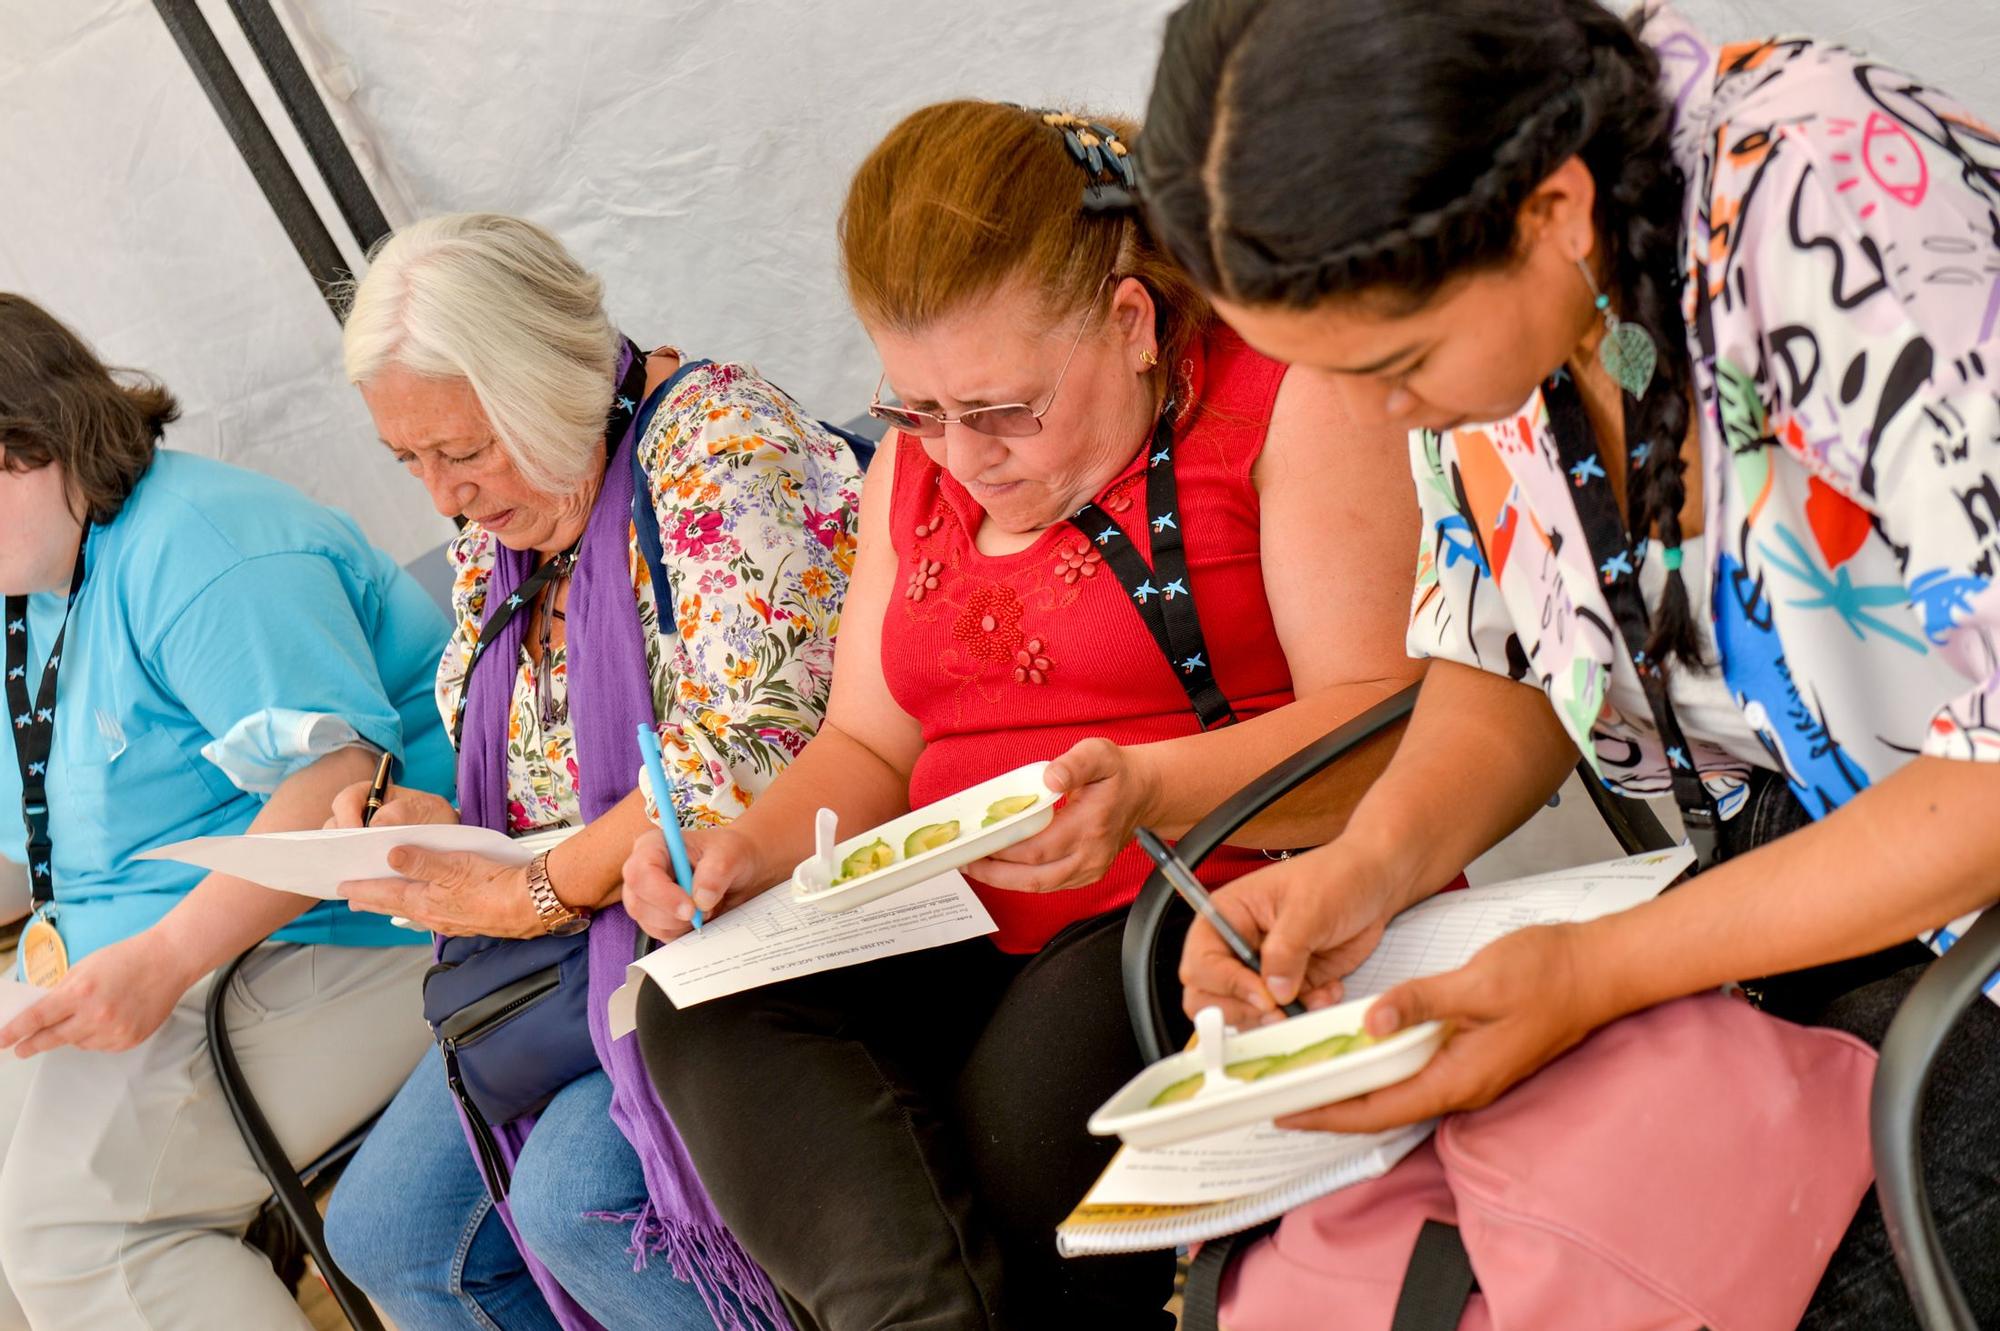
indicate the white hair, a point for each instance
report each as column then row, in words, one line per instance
column 498, row 302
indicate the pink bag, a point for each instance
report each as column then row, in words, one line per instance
column 1691, row 1166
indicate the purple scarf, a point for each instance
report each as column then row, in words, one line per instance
column 607, row 658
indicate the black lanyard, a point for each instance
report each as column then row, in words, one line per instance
column 1162, row 594
column 1619, row 555
column 624, row 408
column 35, row 729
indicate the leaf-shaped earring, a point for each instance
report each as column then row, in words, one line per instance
column 1627, row 352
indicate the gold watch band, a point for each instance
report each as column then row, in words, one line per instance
column 556, row 917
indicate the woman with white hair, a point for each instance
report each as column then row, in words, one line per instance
column 647, row 539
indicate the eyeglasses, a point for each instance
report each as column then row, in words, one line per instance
column 1009, row 420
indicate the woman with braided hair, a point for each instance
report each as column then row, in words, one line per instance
column 1696, row 349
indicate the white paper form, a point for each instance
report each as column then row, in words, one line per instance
column 16, row 998
column 315, row 864
column 1242, row 1162
column 772, row 938
column 1442, row 932
column 1438, row 934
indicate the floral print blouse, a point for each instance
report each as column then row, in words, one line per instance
column 1843, row 261
column 757, row 504
column 544, row 784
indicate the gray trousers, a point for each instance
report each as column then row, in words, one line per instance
column 124, row 1184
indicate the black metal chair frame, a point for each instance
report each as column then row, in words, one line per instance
column 1908, row 1054
column 290, row 1220
column 1145, row 969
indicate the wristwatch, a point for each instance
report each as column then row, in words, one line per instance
column 557, row 919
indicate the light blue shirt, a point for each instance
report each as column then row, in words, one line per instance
column 215, row 597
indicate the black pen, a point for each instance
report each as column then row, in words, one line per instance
column 378, row 789
column 1195, row 895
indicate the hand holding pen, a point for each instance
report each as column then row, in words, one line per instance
column 663, row 800
column 1190, row 889
column 378, row 789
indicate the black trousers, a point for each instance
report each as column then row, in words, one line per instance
column 1960, row 1130
column 895, row 1142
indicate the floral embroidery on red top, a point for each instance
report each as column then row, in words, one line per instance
column 1119, row 502
column 1077, row 559
column 1031, row 663
column 990, row 624
column 923, row 578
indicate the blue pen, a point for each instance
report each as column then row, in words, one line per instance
column 670, row 825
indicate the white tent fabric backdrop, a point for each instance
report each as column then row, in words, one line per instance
column 694, row 153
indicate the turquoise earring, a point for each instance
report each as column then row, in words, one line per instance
column 1627, row 352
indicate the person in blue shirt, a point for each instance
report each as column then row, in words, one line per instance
column 191, row 650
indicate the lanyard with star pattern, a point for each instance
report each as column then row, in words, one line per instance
column 34, row 726
column 1161, row 593
column 1618, row 555
column 624, row 408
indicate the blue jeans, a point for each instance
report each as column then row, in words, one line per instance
column 412, row 1225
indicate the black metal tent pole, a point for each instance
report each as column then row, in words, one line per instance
column 253, row 140
column 301, row 98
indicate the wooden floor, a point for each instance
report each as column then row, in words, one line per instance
column 320, row 1308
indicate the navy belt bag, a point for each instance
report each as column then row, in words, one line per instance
column 511, row 1016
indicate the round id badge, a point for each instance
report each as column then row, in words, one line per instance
column 44, row 959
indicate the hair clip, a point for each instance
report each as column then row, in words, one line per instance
column 1113, row 183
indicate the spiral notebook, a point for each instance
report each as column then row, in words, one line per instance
column 1222, row 1184
column 1279, row 1169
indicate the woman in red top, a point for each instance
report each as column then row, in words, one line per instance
column 1084, row 458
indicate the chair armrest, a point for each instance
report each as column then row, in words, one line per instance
column 1909, row 1049
column 1147, row 919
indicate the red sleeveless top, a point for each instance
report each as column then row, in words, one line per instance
column 1011, row 659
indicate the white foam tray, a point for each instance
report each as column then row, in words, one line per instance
column 1223, row 1102
column 811, row 880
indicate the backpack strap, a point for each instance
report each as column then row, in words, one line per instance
column 646, row 522
column 1203, row 1293
column 1436, row 1287
column 1438, row 1283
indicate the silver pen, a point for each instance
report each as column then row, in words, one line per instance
column 1196, row 895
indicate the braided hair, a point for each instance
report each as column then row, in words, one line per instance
column 1296, row 151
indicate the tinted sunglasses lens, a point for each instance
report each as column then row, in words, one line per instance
column 910, row 422
column 1007, row 422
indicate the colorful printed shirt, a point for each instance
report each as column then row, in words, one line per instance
column 1843, row 253
column 757, row 505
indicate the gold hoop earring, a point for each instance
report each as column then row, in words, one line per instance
column 1148, row 359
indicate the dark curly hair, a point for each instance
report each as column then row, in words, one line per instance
column 60, row 403
column 1299, row 150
